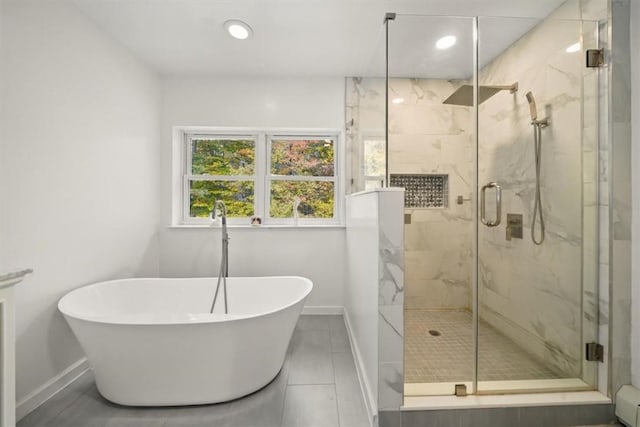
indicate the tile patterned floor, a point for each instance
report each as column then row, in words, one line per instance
column 449, row 356
column 318, row 386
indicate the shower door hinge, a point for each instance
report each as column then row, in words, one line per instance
column 595, row 352
column 595, row 58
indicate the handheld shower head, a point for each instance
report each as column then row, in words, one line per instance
column 533, row 110
column 532, row 106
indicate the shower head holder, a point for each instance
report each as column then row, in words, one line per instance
column 542, row 122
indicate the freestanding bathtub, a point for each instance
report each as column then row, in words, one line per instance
column 152, row 342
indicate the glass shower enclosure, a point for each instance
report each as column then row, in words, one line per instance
column 493, row 126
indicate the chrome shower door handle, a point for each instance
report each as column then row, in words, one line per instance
column 498, row 204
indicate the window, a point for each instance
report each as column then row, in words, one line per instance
column 280, row 177
column 373, row 162
column 302, row 174
column 221, row 168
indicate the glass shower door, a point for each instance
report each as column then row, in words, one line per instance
column 493, row 128
column 431, row 135
column 538, row 187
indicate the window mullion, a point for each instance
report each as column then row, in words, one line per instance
column 186, row 187
column 259, row 200
column 302, row 178
column 221, row 177
column 267, row 177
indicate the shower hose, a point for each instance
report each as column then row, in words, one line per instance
column 537, row 208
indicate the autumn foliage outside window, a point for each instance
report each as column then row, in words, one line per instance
column 305, row 169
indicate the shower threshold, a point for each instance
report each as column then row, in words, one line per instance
column 426, row 403
column 499, row 387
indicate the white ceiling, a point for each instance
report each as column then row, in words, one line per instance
column 309, row 37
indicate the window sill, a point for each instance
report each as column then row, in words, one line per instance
column 258, row 227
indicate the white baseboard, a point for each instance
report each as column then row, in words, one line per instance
column 51, row 388
column 323, row 310
column 369, row 399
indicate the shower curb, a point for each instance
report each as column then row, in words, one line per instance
column 529, row 416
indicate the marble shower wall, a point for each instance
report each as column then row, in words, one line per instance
column 428, row 137
column 425, row 137
column 390, row 299
column 620, row 196
column 533, row 294
column 365, row 120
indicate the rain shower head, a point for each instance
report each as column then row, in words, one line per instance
column 532, row 106
column 464, row 94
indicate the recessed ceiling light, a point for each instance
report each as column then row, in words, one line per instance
column 238, row 29
column 446, row 42
column 573, row 48
column 397, row 100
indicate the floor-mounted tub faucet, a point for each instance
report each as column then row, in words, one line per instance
column 224, row 259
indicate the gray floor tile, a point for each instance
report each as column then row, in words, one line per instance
column 306, row 393
column 335, row 321
column 138, row 417
column 313, row 323
column 310, row 406
column 90, row 410
column 339, row 337
column 199, row 416
column 310, row 358
column 59, row 402
column 263, row 408
column 351, row 409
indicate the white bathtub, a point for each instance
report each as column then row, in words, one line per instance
column 152, row 342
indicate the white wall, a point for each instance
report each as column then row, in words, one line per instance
column 79, row 172
column 261, row 102
column 635, row 160
column 361, row 293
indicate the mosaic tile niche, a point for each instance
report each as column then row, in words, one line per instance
column 423, row 191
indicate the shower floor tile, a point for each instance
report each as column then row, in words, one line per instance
column 439, row 348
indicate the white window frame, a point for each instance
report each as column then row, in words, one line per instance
column 187, row 176
column 182, row 137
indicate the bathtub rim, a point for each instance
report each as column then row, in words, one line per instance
column 193, row 319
